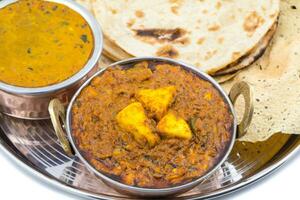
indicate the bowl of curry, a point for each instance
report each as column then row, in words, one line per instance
column 151, row 126
column 48, row 48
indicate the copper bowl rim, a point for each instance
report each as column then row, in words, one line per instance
column 98, row 46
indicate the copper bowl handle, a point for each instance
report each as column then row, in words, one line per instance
column 58, row 117
column 244, row 89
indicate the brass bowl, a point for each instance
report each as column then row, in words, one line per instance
column 60, row 115
column 32, row 103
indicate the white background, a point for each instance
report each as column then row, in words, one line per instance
column 17, row 184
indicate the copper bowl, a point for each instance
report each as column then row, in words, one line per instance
column 60, row 115
column 32, row 103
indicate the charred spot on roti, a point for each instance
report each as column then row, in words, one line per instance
column 200, row 40
column 214, row 27
column 175, row 1
column 161, row 35
column 210, row 54
column 218, row 5
column 198, row 64
column 174, row 10
column 252, row 22
column 113, row 11
column 175, row 5
column 235, row 55
column 167, row 51
column 130, row 23
column 220, row 40
column 183, row 41
column 139, row 14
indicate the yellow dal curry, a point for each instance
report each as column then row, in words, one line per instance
column 42, row 43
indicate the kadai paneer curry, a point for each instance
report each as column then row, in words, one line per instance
column 151, row 128
column 42, row 43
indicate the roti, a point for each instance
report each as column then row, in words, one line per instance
column 275, row 79
column 177, row 29
column 114, row 52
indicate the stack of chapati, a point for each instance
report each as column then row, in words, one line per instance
column 219, row 37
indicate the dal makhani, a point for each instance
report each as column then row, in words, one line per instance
column 151, row 128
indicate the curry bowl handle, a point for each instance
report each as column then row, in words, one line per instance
column 244, row 89
column 58, row 118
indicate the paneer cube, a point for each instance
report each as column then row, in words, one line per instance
column 158, row 100
column 174, row 127
column 133, row 120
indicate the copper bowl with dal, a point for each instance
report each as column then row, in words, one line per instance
column 57, row 49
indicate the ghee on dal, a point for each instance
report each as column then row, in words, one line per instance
column 42, row 43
